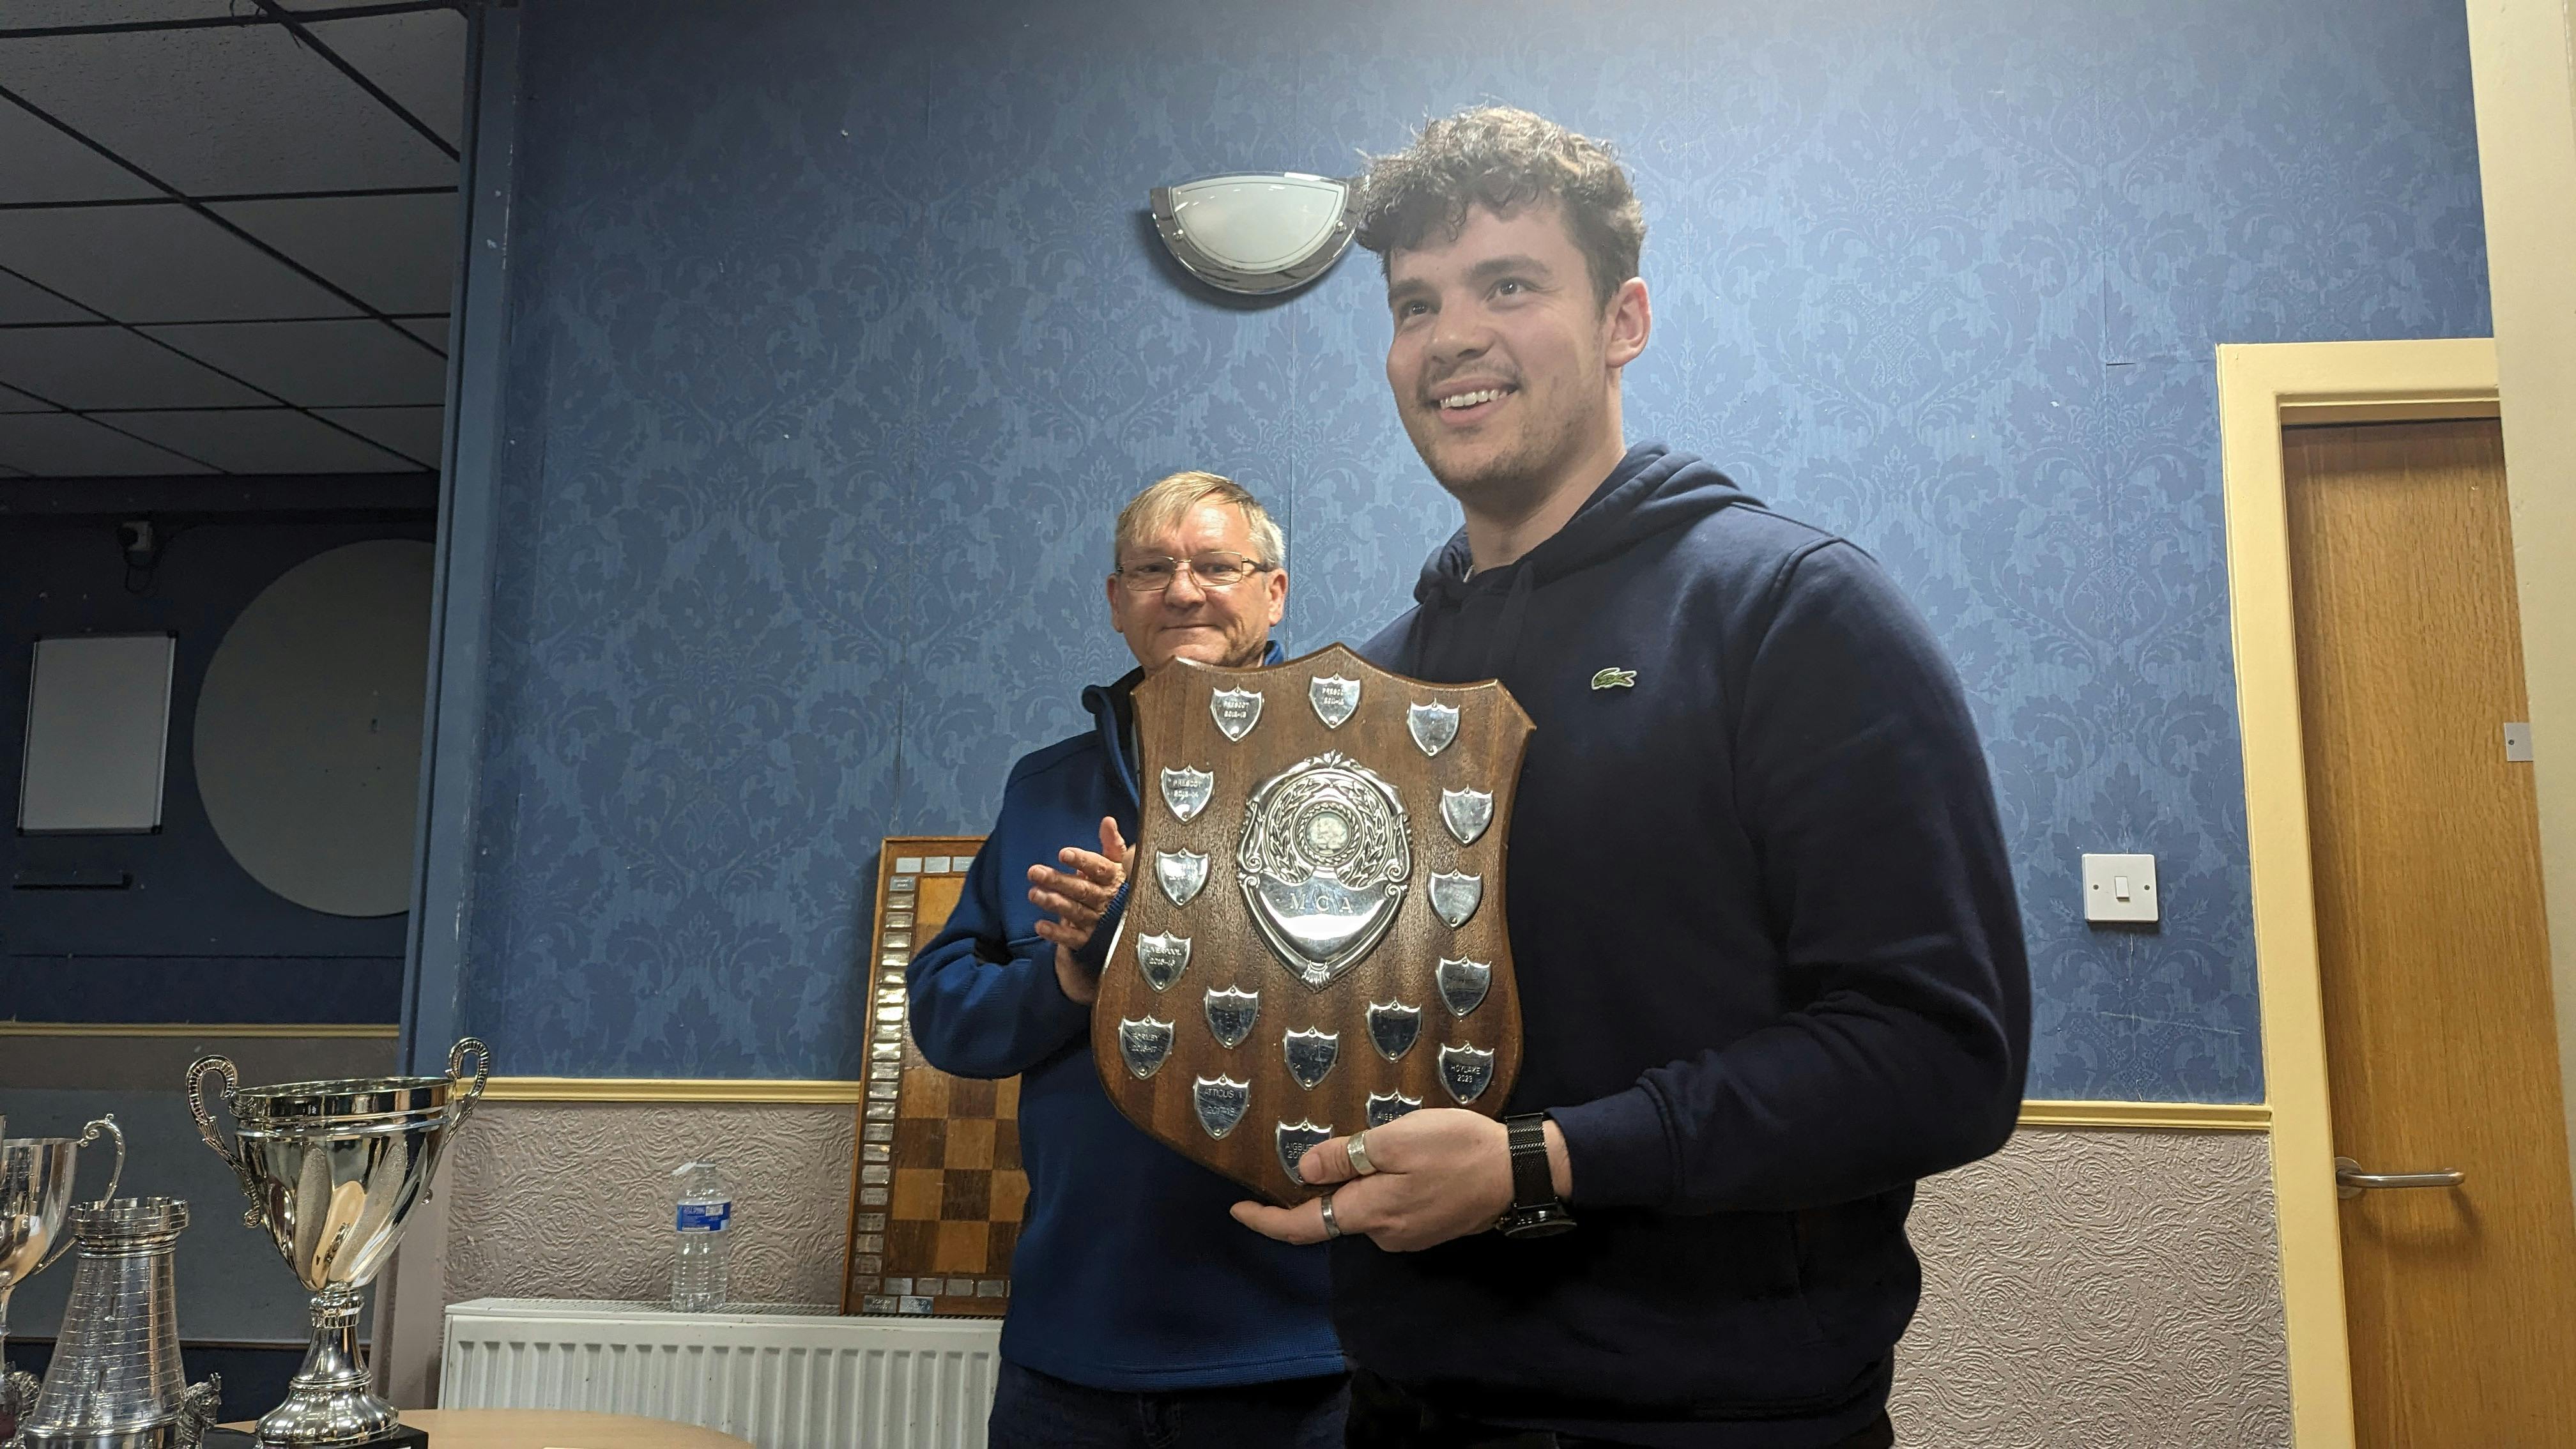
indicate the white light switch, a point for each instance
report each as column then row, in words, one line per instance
column 2120, row 888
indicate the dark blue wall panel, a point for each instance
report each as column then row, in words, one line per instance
column 192, row 938
column 838, row 336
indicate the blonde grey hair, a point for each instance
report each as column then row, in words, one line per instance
column 1166, row 501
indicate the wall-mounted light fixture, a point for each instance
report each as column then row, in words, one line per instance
column 1257, row 233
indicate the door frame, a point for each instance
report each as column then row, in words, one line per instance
column 2262, row 388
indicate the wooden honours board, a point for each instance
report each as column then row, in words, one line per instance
column 937, row 1189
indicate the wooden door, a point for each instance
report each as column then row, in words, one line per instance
column 2440, row 1036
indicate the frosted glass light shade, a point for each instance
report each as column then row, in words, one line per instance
column 1256, row 233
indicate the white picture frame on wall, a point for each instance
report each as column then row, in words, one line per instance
column 98, row 735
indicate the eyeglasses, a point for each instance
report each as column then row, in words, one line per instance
column 1217, row 570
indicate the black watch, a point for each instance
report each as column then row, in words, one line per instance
column 1536, row 1210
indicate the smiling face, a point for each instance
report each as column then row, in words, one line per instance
column 1228, row 626
column 1505, row 363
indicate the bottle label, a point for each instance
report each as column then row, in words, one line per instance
column 705, row 1217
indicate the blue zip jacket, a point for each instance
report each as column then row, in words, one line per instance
column 1128, row 1274
column 1770, row 964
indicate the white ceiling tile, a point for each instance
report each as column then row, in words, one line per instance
column 416, row 433
column 109, row 367
column 319, row 364
column 156, row 264
column 263, row 440
column 396, row 252
column 59, row 445
column 235, row 109
column 419, row 60
column 30, row 14
column 39, row 163
column 432, row 330
column 14, row 401
column 23, row 301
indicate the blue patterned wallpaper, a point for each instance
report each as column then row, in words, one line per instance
column 838, row 336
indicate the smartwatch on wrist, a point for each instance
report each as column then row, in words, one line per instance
column 1536, row 1210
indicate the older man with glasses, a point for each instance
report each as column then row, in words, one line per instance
column 1140, row 1315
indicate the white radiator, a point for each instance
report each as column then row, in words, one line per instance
column 785, row 1377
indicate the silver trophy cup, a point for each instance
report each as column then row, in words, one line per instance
column 115, row 1382
column 35, row 1197
column 332, row 1170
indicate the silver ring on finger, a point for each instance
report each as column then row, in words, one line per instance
column 1332, row 1229
column 1357, row 1147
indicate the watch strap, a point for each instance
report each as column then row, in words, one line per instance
column 1532, row 1184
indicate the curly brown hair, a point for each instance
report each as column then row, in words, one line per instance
column 1504, row 159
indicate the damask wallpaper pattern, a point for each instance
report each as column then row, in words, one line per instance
column 838, row 333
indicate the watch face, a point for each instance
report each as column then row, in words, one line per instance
column 1545, row 1221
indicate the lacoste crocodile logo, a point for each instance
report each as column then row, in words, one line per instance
column 1615, row 679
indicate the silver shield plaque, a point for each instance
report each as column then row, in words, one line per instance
column 1230, row 1015
column 1385, row 1107
column 1220, row 1103
column 1393, row 1027
column 1465, row 812
column 1454, row 897
column 1323, row 863
column 1463, row 984
column 1334, row 697
column 1294, row 1139
column 1236, row 711
column 1433, row 726
column 1182, row 873
column 1143, row 1044
column 1311, row 1055
column 1466, row 1071
column 1162, row 959
column 1186, row 791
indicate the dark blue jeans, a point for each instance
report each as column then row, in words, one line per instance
column 1033, row 1411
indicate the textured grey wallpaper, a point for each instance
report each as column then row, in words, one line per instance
column 2088, row 1289
column 2083, row 1289
column 566, row 1200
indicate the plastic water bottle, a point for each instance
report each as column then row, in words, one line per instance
column 703, row 1198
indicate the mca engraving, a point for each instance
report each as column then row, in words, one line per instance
column 1323, row 863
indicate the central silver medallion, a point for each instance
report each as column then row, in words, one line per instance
column 1325, row 857
column 1186, row 791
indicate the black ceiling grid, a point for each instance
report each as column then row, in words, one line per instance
column 384, row 421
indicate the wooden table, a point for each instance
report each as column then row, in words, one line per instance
column 555, row 1429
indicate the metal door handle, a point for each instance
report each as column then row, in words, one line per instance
column 2351, row 1181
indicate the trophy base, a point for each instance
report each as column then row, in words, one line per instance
column 401, row 1436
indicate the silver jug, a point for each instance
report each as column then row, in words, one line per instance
column 35, row 1197
column 116, row 1382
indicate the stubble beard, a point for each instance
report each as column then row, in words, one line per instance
column 1512, row 485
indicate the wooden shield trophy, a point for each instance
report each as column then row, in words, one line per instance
column 1314, row 938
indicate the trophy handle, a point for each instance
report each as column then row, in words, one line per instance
column 198, row 1071
column 89, row 1134
column 471, row 1092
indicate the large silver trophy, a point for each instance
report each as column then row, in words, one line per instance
column 333, row 1170
column 35, row 1196
column 115, row 1382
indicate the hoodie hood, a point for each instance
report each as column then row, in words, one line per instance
column 1653, row 490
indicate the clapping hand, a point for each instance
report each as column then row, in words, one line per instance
column 1074, row 898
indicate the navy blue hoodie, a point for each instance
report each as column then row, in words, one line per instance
column 1770, row 964
column 1128, row 1274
